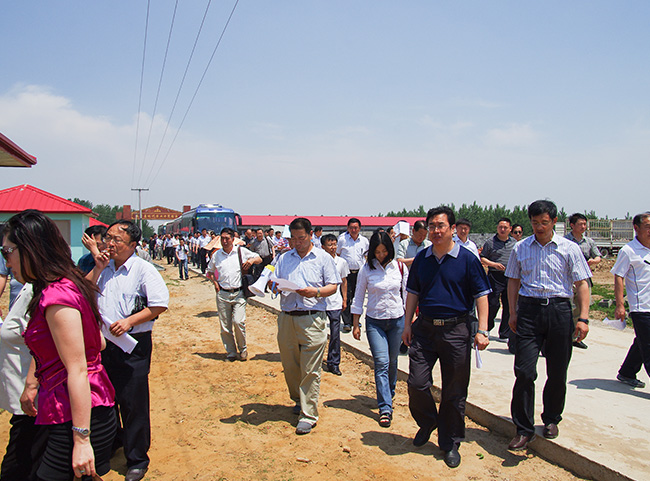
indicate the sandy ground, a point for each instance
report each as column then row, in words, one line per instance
column 217, row 420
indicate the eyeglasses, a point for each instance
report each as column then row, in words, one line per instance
column 6, row 251
column 116, row 240
column 517, row 231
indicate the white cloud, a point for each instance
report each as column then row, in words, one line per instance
column 512, row 135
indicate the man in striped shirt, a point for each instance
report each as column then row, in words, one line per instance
column 542, row 271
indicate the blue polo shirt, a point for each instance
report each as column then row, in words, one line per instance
column 447, row 287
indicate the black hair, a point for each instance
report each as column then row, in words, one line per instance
column 94, row 230
column 318, row 228
column 375, row 240
column 639, row 218
column 229, row 231
column 418, row 225
column 328, row 238
column 442, row 209
column 576, row 217
column 131, row 228
column 541, row 207
column 514, row 226
column 463, row 221
column 504, row 219
column 301, row 223
column 354, row 220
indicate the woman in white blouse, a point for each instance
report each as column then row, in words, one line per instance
column 384, row 279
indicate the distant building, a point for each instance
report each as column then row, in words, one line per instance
column 71, row 219
column 13, row 156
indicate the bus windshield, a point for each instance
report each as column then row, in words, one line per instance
column 215, row 221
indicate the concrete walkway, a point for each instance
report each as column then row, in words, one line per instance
column 603, row 433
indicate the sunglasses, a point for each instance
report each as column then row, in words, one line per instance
column 6, row 251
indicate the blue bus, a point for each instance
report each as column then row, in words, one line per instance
column 212, row 217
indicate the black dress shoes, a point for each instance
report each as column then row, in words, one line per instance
column 520, row 442
column 422, row 436
column 551, row 431
column 452, row 458
column 135, row 474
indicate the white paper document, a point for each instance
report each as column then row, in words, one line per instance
column 615, row 323
column 285, row 285
column 124, row 342
column 479, row 361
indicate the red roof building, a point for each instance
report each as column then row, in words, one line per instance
column 13, row 156
column 328, row 223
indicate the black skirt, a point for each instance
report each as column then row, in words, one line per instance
column 56, row 464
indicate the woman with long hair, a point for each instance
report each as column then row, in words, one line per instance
column 75, row 396
column 384, row 279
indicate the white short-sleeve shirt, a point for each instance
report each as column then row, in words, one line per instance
column 633, row 264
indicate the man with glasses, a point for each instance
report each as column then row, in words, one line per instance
column 543, row 271
column 517, row 232
column 444, row 282
column 632, row 272
column 302, row 324
column 132, row 296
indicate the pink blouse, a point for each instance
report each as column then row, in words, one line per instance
column 53, row 397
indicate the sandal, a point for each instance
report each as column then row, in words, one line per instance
column 385, row 419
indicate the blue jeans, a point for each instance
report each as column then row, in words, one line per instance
column 384, row 337
column 182, row 267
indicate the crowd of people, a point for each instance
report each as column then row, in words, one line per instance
column 79, row 337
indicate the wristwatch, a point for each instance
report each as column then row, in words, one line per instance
column 318, row 292
column 485, row 333
column 83, row 431
column 586, row 321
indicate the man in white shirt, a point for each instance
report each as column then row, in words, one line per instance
column 225, row 272
column 204, row 240
column 334, row 305
column 632, row 273
column 463, row 226
column 302, row 322
column 353, row 247
column 132, row 296
column 316, row 237
column 409, row 248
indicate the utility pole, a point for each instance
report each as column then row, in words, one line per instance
column 140, row 204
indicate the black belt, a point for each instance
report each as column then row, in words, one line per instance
column 449, row 321
column 543, row 301
column 236, row 289
column 301, row 313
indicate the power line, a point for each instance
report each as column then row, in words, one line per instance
column 196, row 91
column 155, row 106
column 137, row 124
column 178, row 93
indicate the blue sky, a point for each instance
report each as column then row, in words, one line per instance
column 333, row 107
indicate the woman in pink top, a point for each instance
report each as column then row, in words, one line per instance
column 75, row 396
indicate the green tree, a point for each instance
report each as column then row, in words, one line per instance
column 108, row 214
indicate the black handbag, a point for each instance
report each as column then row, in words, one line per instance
column 246, row 279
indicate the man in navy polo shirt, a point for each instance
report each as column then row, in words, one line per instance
column 444, row 282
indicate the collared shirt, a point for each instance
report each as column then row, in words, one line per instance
column 469, row 245
column 386, row 290
column 353, row 251
column 408, row 249
column 499, row 251
column 226, row 268
column 316, row 269
column 263, row 248
column 633, row 264
column 547, row 271
column 181, row 252
column 120, row 288
column 447, row 287
column 204, row 240
column 587, row 246
column 335, row 301
column 316, row 241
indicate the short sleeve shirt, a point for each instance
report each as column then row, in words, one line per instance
column 353, row 251
column 447, row 287
column 496, row 250
column 226, row 268
column 335, row 301
column 408, row 249
column 633, row 264
column 316, row 269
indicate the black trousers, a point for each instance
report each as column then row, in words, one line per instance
column 129, row 374
column 203, row 259
column 499, row 298
column 451, row 345
column 639, row 353
column 25, row 449
column 536, row 325
column 346, row 315
column 334, row 346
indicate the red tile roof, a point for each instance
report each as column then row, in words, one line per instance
column 325, row 220
column 21, row 197
column 13, row 156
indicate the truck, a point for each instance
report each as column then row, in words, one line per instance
column 609, row 234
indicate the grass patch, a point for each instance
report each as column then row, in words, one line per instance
column 606, row 292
